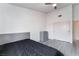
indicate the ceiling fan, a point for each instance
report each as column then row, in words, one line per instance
column 52, row 4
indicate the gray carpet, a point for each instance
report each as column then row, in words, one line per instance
column 66, row 48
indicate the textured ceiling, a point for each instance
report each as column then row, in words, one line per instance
column 41, row 6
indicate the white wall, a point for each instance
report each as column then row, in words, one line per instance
column 15, row 19
column 76, row 12
column 60, row 28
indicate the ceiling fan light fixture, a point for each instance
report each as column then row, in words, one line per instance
column 54, row 5
column 48, row 3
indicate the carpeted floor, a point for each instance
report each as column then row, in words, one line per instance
column 66, row 48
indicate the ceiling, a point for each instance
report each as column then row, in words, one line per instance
column 41, row 6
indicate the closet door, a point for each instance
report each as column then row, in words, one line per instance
column 62, row 31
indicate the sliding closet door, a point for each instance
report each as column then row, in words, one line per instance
column 62, row 31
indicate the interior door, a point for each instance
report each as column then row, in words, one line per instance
column 62, row 31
